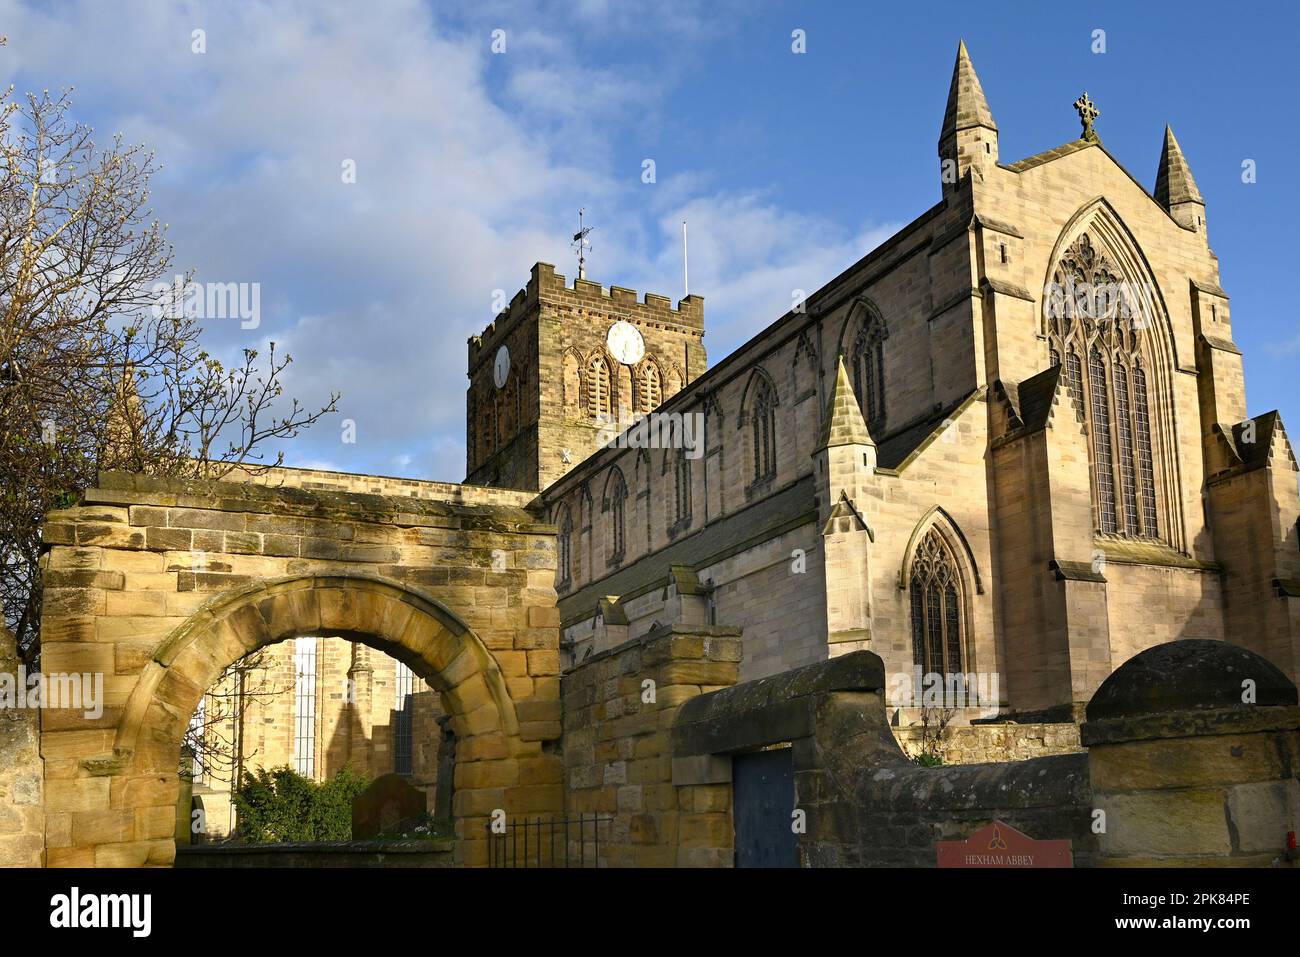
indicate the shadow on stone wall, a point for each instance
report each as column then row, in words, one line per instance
column 1193, row 754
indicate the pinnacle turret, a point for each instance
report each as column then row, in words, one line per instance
column 1175, row 189
column 969, row 136
column 844, row 424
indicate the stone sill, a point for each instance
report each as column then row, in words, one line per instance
column 1247, row 719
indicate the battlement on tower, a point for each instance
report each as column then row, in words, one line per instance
column 651, row 310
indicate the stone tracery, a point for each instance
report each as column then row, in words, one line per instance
column 1095, row 315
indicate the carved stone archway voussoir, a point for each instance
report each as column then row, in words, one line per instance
column 482, row 629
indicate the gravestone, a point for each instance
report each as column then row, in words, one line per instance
column 388, row 804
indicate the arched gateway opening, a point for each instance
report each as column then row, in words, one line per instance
column 469, row 608
column 401, row 622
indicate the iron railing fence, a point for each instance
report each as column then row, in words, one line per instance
column 565, row 841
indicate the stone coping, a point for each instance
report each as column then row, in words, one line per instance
column 657, row 633
column 1244, row 719
column 769, row 710
column 125, row 489
column 1051, row 780
column 1191, row 674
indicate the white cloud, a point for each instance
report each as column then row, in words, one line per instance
column 470, row 167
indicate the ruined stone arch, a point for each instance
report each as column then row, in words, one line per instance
column 1104, row 320
column 391, row 616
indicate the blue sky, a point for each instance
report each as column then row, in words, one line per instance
column 471, row 165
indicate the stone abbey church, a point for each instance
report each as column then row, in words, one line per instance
column 1011, row 443
column 1012, row 440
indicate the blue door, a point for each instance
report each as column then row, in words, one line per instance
column 764, row 804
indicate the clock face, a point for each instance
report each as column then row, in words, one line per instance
column 625, row 342
column 501, row 367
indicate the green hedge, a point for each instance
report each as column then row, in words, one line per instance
column 281, row 805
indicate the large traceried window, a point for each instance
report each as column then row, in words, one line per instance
column 1094, row 317
column 403, row 713
column 937, row 603
column 304, row 707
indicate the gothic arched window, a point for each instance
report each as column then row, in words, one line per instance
column 867, row 359
column 673, row 381
column 650, row 393
column 762, row 421
column 571, row 381
column 598, row 387
column 1092, row 312
column 565, row 546
column 936, row 599
column 682, row 489
column 616, row 504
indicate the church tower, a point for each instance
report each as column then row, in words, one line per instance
column 563, row 369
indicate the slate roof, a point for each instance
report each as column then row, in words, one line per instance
column 791, row 507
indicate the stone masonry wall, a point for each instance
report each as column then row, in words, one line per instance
column 158, row 585
column 618, row 758
column 22, row 811
column 1194, row 759
column 983, row 743
column 866, row 803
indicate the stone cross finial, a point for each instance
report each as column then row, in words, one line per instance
column 1087, row 113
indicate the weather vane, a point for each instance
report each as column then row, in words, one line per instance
column 1088, row 112
column 582, row 244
